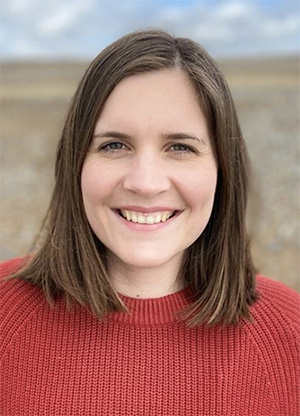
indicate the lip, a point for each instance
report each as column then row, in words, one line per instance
column 146, row 227
column 146, row 210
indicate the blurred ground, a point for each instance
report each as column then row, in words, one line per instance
column 266, row 92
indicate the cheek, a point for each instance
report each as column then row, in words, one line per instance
column 96, row 182
column 93, row 186
column 199, row 188
column 89, row 182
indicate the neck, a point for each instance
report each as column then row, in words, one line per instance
column 152, row 282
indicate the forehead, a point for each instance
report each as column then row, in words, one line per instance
column 155, row 84
column 161, row 97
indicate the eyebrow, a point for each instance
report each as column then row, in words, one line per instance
column 113, row 134
column 183, row 136
column 168, row 136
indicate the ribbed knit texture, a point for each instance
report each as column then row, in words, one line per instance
column 60, row 363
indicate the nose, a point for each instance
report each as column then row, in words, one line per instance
column 147, row 176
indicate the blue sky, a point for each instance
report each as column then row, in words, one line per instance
column 79, row 29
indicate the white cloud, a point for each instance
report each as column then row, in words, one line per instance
column 23, row 48
column 233, row 10
column 60, row 20
column 17, row 7
column 283, row 27
column 36, row 28
column 237, row 27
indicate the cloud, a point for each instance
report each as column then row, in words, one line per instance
column 76, row 28
column 237, row 27
column 233, row 10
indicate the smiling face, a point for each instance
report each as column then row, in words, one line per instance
column 149, row 178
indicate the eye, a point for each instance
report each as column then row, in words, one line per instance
column 112, row 147
column 182, row 148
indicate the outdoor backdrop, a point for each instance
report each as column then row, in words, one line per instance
column 45, row 47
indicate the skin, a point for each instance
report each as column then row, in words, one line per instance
column 151, row 151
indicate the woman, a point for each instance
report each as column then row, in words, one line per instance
column 142, row 298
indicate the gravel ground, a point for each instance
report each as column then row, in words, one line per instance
column 266, row 92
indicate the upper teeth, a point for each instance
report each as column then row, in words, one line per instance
column 146, row 218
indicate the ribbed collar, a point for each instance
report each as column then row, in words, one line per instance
column 153, row 311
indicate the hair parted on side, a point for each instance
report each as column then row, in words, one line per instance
column 218, row 265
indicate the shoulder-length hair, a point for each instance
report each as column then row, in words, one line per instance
column 71, row 260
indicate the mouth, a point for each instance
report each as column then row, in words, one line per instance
column 146, row 218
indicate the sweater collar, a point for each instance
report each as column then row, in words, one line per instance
column 153, row 311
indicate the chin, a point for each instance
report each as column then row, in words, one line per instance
column 145, row 262
column 145, row 259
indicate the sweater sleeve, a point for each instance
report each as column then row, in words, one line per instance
column 19, row 300
column 275, row 332
column 284, row 303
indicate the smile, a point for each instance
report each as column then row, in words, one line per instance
column 146, row 218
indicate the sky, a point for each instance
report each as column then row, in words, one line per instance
column 79, row 29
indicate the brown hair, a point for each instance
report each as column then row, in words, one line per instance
column 71, row 260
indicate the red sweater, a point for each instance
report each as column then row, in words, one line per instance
column 55, row 362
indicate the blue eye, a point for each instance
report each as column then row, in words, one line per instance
column 112, row 147
column 181, row 148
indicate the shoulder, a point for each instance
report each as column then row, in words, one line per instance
column 11, row 287
column 19, row 300
column 275, row 326
column 15, row 291
column 274, row 334
column 277, row 303
column 11, row 266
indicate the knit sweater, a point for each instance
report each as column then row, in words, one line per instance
column 56, row 362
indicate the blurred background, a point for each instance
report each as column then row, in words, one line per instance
column 45, row 47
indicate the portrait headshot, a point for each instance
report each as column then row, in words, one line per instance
column 150, row 247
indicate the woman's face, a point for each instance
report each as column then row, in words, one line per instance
column 149, row 179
